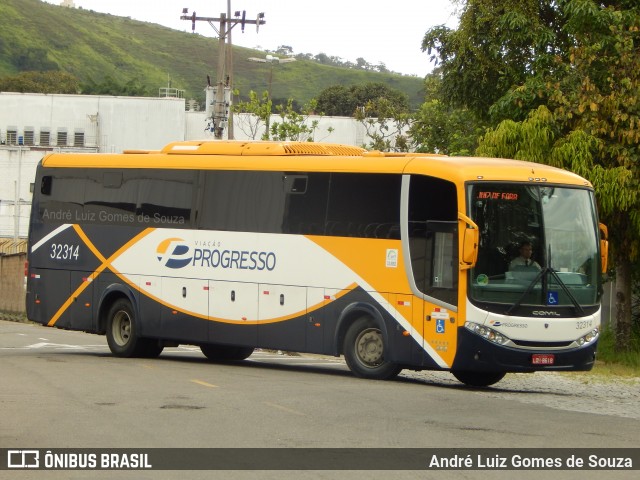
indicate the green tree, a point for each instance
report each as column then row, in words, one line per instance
column 344, row 101
column 336, row 100
column 259, row 110
column 295, row 126
column 110, row 86
column 322, row 58
column 439, row 127
column 590, row 124
column 40, row 82
column 498, row 44
column 32, row 59
column 387, row 125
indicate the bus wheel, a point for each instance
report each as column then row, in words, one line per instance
column 225, row 353
column 478, row 379
column 151, row 348
column 122, row 331
column 364, row 351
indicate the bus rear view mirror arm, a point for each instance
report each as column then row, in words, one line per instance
column 470, row 243
column 604, row 247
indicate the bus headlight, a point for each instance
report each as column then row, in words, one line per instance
column 487, row 333
column 589, row 337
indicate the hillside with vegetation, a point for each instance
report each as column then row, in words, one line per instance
column 92, row 46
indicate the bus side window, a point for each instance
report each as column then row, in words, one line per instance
column 164, row 196
column 112, row 179
column 433, row 240
column 364, row 205
column 45, row 185
column 295, row 184
column 62, row 195
column 306, row 203
column 243, row 201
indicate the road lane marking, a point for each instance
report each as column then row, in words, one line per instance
column 285, row 409
column 54, row 346
column 57, row 345
column 204, row 384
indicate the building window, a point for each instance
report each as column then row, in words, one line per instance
column 78, row 138
column 45, row 137
column 12, row 135
column 29, row 136
column 61, row 141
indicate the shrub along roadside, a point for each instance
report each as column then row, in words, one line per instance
column 618, row 363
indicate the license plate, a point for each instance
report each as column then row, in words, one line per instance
column 543, row 358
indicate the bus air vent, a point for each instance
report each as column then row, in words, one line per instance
column 322, row 149
column 256, row 148
column 523, row 343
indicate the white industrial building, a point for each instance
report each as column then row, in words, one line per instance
column 33, row 124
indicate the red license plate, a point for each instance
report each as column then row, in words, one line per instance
column 543, row 358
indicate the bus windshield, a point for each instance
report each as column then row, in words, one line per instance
column 538, row 247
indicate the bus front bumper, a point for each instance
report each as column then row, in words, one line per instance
column 475, row 353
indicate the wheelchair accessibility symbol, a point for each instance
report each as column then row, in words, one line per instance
column 440, row 325
column 552, row 298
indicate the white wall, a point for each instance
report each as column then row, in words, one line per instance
column 346, row 130
column 110, row 123
column 18, row 167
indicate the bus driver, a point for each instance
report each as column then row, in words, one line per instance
column 524, row 260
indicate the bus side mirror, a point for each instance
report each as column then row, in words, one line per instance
column 470, row 241
column 604, row 246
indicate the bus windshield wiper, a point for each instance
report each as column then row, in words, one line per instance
column 527, row 291
column 543, row 272
column 555, row 275
column 566, row 291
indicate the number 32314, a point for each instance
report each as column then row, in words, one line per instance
column 583, row 324
column 64, row 251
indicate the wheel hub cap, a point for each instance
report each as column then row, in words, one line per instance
column 369, row 347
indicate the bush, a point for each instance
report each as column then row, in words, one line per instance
column 608, row 354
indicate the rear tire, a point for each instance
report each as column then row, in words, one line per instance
column 364, row 351
column 225, row 353
column 122, row 330
column 479, row 379
column 151, row 347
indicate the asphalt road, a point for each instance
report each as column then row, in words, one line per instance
column 62, row 389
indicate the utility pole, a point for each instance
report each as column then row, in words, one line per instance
column 229, row 68
column 221, row 107
column 270, row 59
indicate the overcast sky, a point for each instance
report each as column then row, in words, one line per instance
column 380, row 31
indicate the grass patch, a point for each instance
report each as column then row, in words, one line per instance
column 611, row 362
column 615, row 370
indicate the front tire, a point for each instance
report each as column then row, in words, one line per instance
column 364, row 351
column 478, row 379
column 225, row 353
column 122, row 330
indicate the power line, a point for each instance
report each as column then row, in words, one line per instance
column 221, row 106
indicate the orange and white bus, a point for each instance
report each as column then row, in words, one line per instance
column 392, row 260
